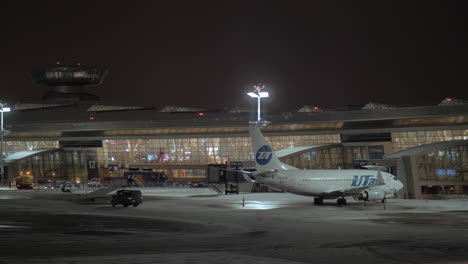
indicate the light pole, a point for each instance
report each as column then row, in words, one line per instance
column 2, row 132
column 257, row 93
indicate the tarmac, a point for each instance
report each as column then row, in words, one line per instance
column 196, row 225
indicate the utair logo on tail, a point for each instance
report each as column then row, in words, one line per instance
column 263, row 155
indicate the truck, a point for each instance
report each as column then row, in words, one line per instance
column 24, row 182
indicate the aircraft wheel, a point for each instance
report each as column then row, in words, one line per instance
column 341, row 201
column 318, row 201
column 113, row 204
column 125, row 205
column 135, row 205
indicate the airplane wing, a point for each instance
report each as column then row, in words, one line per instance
column 241, row 171
column 267, row 174
column 247, row 177
column 289, row 151
column 245, row 174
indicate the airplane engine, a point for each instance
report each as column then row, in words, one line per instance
column 371, row 195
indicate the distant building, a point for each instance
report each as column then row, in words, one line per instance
column 426, row 147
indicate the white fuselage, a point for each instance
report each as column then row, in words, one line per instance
column 328, row 183
column 370, row 184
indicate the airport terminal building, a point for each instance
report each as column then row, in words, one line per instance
column 70, row 135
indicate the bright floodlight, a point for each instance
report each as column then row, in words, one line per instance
column 257, row 94
column 6, row 109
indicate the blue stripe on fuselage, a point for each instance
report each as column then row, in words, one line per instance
column 364, row 180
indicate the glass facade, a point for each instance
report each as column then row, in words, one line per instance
column 48, row 165
column 443, row 165
column 180, row 158
column 198, row 150
column 185, row 158
column 15, row 146
column 404, row 140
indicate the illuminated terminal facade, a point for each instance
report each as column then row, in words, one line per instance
column 71, row 139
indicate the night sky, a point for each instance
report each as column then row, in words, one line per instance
column 209, row 53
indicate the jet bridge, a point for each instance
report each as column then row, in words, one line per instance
column 224, row 179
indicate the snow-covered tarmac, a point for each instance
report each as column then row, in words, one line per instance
column 199, row 226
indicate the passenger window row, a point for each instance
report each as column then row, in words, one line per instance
column 308, row 180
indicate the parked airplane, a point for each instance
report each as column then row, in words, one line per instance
column 367, row 185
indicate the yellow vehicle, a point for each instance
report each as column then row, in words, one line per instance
column 24, row 181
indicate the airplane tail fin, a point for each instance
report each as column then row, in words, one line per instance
column 265, row 158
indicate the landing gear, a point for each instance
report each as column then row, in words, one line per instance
column 318, row 201
column 341, row 201
column 384, row 200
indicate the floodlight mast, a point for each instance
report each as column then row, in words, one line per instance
column 258, row 94
column 2, row 132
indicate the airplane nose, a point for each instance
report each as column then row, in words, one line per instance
column 399, row 185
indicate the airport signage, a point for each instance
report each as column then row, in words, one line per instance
column 91, row 164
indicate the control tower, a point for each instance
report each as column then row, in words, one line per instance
column 69, row 83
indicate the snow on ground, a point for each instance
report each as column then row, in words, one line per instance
column 197, row 225
column 265, row 201
column 192, row 258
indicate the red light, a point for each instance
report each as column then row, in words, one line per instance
column 78, row 64
column 91, row 118
column 129, row 198
column 200, row 114
column 316, row 108
column 142, row 197
column 449, row 99
column 57, row 62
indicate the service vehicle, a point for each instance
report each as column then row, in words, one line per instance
column 24, row 181
column 127, row 197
